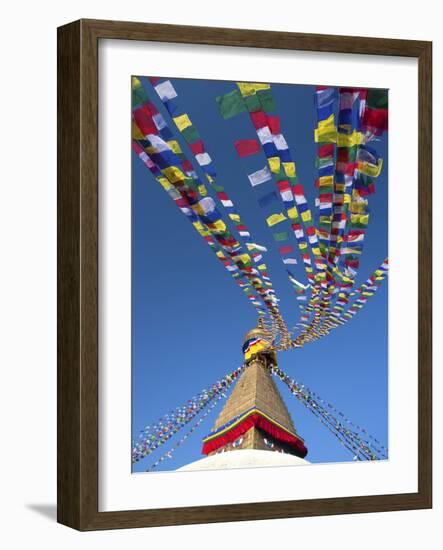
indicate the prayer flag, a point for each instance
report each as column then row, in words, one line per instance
column 267, row 199
column 259, row 119
column 274, row 164
column 182, row 122
column 247, row 147
column 280, row 237
column 231, row 104
column 260, row 176
column 274, row 219
column 165, row 90
column 250, row 88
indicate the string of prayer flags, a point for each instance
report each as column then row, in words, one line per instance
column 325, row 99
column 339, row 315
column 152, row 436
column 346, row 170
column 357, row 440
column 180, row 442
column 209, row 222
column 198, row 149
column 282, row 167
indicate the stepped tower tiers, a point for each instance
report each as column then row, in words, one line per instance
column 254, row 427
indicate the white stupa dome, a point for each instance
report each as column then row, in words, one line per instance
column 244, row 458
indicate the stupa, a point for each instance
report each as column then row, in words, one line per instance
column 254, row 427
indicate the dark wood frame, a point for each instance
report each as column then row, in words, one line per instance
column 78, row 285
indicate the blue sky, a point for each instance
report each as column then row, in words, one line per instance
column 189, row 317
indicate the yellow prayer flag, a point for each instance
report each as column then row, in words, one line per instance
column 250, row 88
column 235, row 217
column 136, row 132
column 218, row 225
column 135, row 82
column 289, row 168
column 198, row 209
column 174, row 145
column 165, row 183
column 349, row 140
column 360, row 219
column 326, row 131
column 347, row 198
column 292, row 213
column 306, row 216
column 370, row 169
column 274, row 164
column 201, row 229
column 244, row 258
column 358, row 207
column 262, row 267
column 182, row 122
column 173, row 174
column 325, row 181
column 202, row 190
column 275, row 219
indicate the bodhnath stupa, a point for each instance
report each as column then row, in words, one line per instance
column 254, row 427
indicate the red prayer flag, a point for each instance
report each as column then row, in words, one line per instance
column 143, row 119
column 197, row 147
column 285, row 250
column 326, row 150
column 187, row 166
column 310, row 230
column 247, row 147
column 283, row 185
column 274, row 124
column 259, row 119
column 375, row 120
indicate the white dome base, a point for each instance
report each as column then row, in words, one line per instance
column 244, row 458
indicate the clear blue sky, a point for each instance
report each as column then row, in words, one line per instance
column 189, row 317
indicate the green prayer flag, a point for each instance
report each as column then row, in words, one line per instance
column 378, row 99
column 231, row 104
column 279, row 237
column 252, row 103
column 323, row 162
column 190, row 134
column 266, row 100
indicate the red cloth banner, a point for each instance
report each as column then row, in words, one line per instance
column 256, row 419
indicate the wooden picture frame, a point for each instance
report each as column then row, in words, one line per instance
column 78, row 273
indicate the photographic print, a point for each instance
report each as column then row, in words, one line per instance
column 259, row 274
